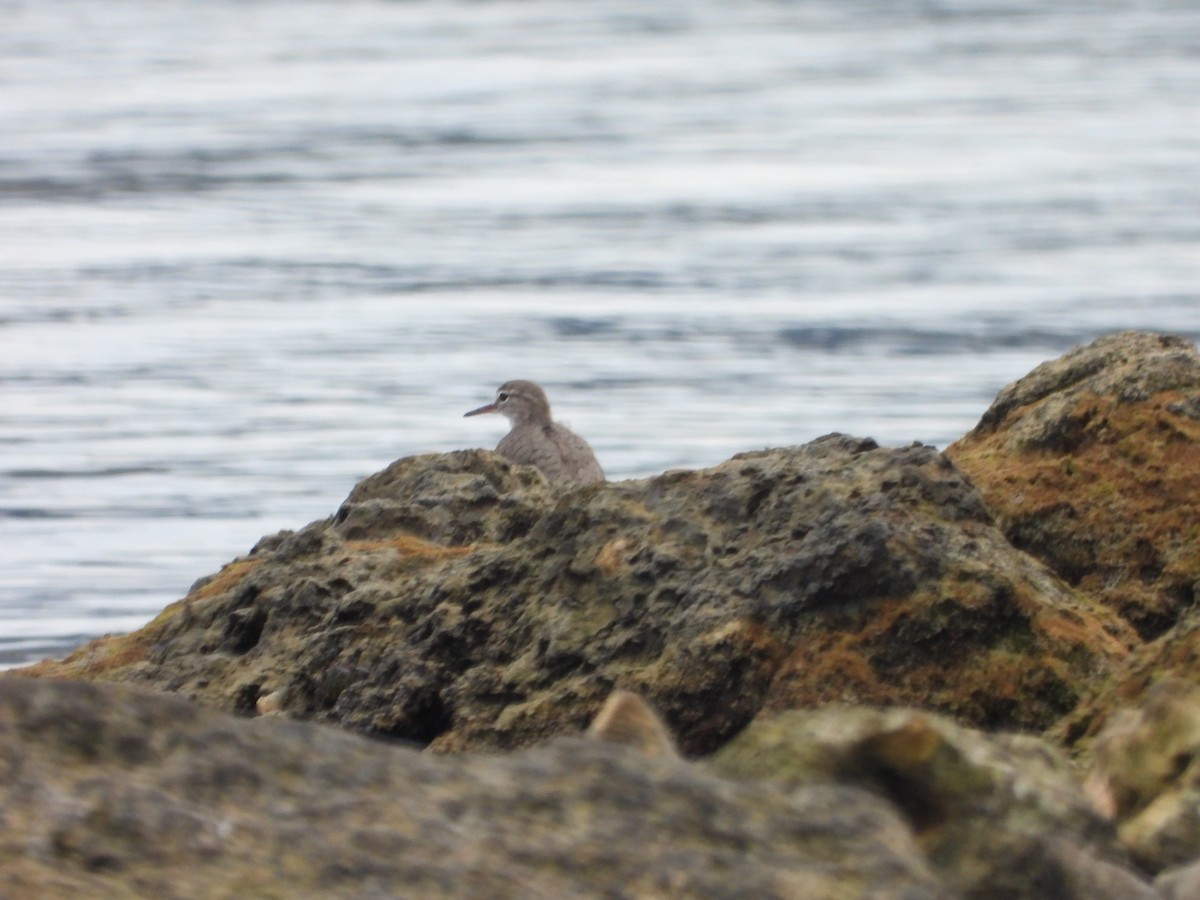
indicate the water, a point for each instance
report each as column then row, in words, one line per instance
column 253, row 251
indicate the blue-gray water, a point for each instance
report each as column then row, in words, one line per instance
column 253, row 251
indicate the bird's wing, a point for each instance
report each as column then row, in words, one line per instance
column 576, row 458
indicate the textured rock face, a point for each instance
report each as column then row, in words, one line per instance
column 1180, row 884
column 458, row 601
column 998, row 815
column 1146, row 770
column 1092, row 463
column 107, row 791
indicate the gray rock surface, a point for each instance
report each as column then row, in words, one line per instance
column 110, row 791
column 1181, row 883
column 1130, row 366
column 1146, row 769
column 999, row 815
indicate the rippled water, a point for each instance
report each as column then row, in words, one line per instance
column 252, row 251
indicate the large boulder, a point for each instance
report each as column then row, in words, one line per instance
column 457, row 601
column 1092, row 463
column 1146, row 774
column 109, row 791
column 999, row 815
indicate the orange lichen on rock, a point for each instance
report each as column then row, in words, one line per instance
column 229, row 577
column 1117, row 514
column 991, row 653
column 614, row 556
column 827, row 668
column 413, row 547
column 109, row 654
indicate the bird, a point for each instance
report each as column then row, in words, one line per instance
column 537, row 440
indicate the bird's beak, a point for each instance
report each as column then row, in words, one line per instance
column 490, row 408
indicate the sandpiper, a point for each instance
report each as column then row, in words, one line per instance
column 537, row 440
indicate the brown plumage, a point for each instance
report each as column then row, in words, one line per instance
column 537, row 440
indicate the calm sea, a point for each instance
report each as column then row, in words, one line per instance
column 253, row 251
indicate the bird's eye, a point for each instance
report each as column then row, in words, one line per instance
column 501, row 397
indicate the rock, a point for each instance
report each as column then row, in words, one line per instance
column 269, row 704
column 1146, row 762
column 999, row 815
column 625, row 718
column 1182, row 883
column 455, row 499
column 1092, row 463
column 456, row 601
column 1174, row 657
column 111, row 791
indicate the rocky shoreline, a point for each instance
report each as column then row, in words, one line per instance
column 887, row 673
